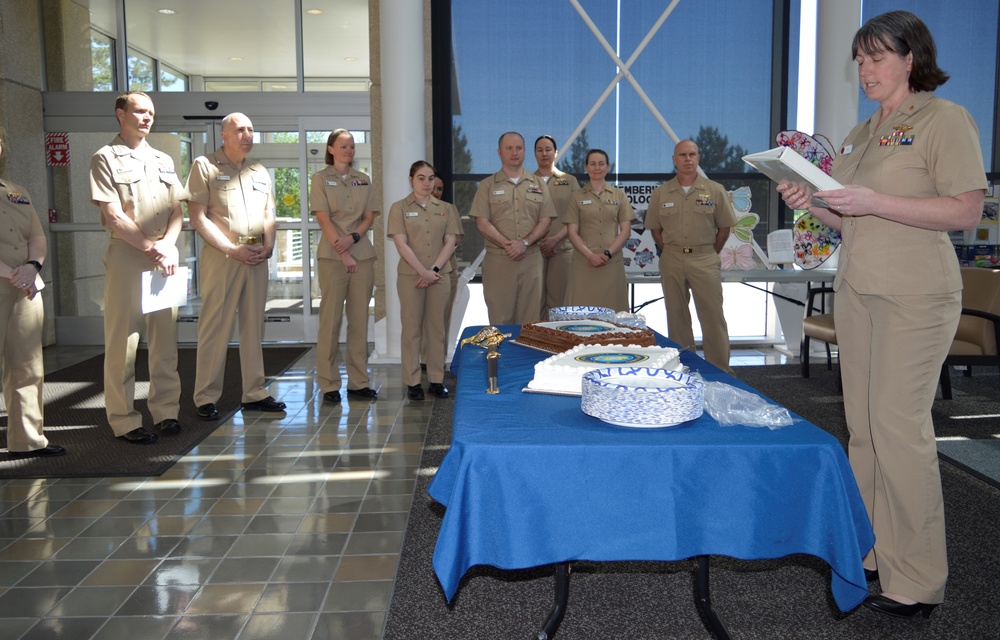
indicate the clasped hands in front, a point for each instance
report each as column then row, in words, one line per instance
column 23, row 278
column 515, row 250
column 428, row 279
column 852, row 200
column 164, row 255
column 250, row 254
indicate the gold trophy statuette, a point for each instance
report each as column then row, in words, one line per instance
column 489, row 338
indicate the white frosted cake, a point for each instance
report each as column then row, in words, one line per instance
column 562, row 373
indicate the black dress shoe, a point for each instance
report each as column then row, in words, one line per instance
column 893, row 608
column 871, row 575
column 364, row 393
column 439, row 390
column 208, row 412
column 414, row 392
column 168, row 427
column 140, row 436
column 333, row 397
column 48, row 451
column 268, row 404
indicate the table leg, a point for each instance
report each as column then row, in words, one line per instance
column 548, row 630
column 704, row 602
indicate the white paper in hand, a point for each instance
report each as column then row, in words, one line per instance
column 159, row 292
column 784, row 164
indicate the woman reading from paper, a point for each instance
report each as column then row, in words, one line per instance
column 911, row 172
column 598, row 223
column 424, row 230
column 22, row 252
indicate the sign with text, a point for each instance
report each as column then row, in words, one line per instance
column 57, row 149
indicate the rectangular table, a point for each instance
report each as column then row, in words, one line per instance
column 531, row 480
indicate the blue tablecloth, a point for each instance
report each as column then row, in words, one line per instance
column 531, row 480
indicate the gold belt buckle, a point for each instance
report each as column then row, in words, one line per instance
column 687, row 250
column 249, row 239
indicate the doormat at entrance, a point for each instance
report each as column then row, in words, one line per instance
column 75, row 418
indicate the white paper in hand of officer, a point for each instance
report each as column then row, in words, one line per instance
column 159, row 292
column 784, row 164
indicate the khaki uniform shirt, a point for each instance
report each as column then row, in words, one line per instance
column 928, row 147
column 599, row 215
column 514, row 209
column 345, row 202
column 424, row 229
column 141, row 180
column 237, row 199
column 693, row 218
column 561, row 187
column 18, row 224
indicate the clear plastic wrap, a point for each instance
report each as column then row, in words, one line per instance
column 731, row 406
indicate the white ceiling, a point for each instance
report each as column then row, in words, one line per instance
column 203, row 36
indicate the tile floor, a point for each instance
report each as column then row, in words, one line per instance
column 271, row 528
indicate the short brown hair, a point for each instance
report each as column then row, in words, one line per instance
column 901, row 32
column 122, row 101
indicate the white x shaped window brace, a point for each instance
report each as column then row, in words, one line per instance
column 623, row 72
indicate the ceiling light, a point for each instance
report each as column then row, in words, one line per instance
column 236, row 59
column 166, row 12
column 314, row 12
column 351, row 59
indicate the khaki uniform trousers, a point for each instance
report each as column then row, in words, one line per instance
column 698, row 273
column 891, row 352
column 423, row 319
column 453, row 290
column 604, row 286
column 513, row 290
column 23, row 369
column 339, row 288
column 123, row 323
column 228, row 288
column 556, row 275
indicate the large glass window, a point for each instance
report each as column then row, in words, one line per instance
column 693, row 74
column 141, row 74
column 709, row 80
column 171, row 79
column 102, row 53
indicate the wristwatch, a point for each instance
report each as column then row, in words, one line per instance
column 436, row 269
column 607, row 253
column 526, row 243
column 35, row 263
column 356, row 236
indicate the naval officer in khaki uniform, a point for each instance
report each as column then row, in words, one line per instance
column 231, row 206
column 911, row 172
column 513, row 211
column 424, row 230
column 344, row 203
column 140, row 199
column 691, row 217
column 22, row 252
column 557, row 252
column 599, row 224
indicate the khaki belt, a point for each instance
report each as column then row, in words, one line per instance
column 250, row 240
